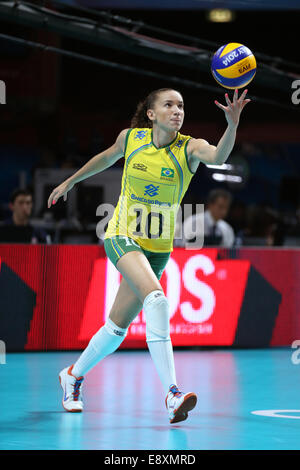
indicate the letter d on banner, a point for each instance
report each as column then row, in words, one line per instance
column 2, row 352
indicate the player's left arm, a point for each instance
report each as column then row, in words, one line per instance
column 201, row 150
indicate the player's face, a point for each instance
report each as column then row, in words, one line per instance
column 168, row 111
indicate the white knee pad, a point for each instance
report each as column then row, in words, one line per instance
column 156, row 307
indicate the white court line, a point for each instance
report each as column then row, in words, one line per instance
column 274, row 413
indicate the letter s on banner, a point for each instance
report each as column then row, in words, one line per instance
column 199, row 289
column 173, row 287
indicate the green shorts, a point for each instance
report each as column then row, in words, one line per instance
column 116, row 247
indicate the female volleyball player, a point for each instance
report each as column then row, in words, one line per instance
column 159, row 165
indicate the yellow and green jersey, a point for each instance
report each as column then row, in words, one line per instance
column 154, row 182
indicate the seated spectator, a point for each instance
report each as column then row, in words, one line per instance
column 216, row 230
column 17, row 228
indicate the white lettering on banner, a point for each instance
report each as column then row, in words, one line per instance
column 222, row 274
column 199, row 289
column 173, row 285
column 138, row 329
column 196, row 329
column 179, row 329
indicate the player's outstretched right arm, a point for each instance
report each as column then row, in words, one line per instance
column 98, row 163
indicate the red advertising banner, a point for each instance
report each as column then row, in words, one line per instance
column 204, row 294
column 57, row 297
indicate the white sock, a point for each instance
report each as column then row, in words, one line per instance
column 103, row 343
column 157, row 314
column 162, row 356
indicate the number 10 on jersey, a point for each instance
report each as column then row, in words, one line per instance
column 149, row 225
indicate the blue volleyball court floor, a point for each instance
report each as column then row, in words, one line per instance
column 247, row 400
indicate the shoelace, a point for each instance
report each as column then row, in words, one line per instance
column 175, row 391
column 76, row 391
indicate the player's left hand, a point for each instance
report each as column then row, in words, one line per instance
column 233, row 110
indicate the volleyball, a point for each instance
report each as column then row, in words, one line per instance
column 233, row 65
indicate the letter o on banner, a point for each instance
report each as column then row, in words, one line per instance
column 275, row 413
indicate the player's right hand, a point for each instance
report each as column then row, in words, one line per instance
column 60, row 191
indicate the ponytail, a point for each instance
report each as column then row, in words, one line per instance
column 140, row 118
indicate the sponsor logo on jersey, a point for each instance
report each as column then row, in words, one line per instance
column 154, row 202
column 151, row 190
column 179, row 143
column 139, row 166
column 140, row 135
column 167, row 172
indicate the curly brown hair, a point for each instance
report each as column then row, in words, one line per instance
column 140, row 118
